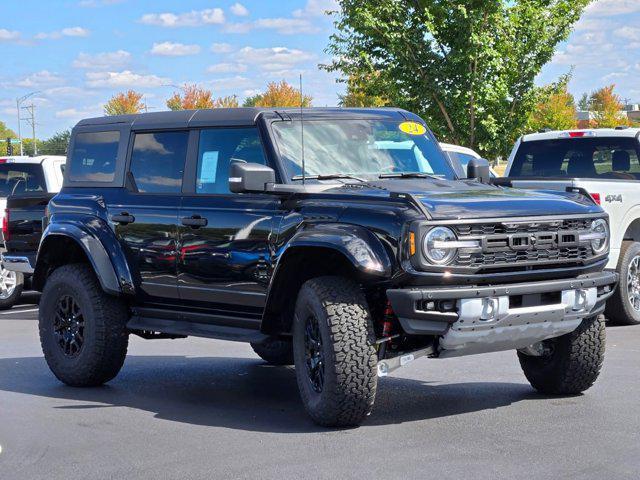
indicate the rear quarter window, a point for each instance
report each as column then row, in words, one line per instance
column 94, row 156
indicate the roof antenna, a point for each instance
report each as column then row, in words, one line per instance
column 302, row 130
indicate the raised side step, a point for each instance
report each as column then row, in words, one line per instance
column 195, row 329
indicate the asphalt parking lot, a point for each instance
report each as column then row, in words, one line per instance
column 199, row 408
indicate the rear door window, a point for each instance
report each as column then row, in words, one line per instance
column 596, row 157
column 157, row 161
column 94, row 157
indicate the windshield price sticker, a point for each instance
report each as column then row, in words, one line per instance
column 412, row 128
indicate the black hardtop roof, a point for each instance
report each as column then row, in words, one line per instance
column 239, row 116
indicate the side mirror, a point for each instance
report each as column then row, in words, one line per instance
column 478, row 169
column 249, row 177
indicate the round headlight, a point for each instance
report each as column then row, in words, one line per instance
column 433, row 248
column 600, row 227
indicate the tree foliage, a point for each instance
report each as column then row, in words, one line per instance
column 124, row 103
column 280, row 94
column 555, row 110
column 56, row 145
column 193, row 97
column 364, row 91
column 607, row 109
column 6, row 132
column 467, row 66
column 226, row 102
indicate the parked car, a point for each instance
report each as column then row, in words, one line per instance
column 24, row 177
column 603, row 163
column 460, row 158
column 337, row 240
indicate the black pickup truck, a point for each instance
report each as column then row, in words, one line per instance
column 336, row 240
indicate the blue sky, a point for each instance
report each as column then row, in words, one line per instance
column 77, row 53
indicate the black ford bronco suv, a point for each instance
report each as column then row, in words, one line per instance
column 339, row 241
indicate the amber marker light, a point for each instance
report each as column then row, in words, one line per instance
column 412, row 243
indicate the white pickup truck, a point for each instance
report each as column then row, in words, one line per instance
column 23, row 176
column 604, row 163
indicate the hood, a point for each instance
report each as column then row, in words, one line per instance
column 445, row 199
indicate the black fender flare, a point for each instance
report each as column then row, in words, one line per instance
column 100, row 246
column 358, row 245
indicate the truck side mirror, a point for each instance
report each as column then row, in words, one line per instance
column 478, row 169
column 249, row 177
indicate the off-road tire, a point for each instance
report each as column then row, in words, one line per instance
column 105, row 334
column 575, row 361
column 619, row 310
column 349, row 350
column 275, row 351
column 11, row 300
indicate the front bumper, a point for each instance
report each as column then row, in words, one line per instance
column 471, row 320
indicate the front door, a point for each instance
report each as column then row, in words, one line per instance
column 146, row 216
column 225, row 253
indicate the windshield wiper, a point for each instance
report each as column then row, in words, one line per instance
column 330, row 176
column 409, row 175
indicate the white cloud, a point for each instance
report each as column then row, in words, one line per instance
column 80, row 113
column 608, row 8
column 102, row 61
column 125, row 78
column 40, row 79
column 316, row 8
column 170, row 49
column 239, row 10
column 628, row 33
column 65, row 32
column 195, row 18
column 287, row 26
column 235, row 83
column 227, row 68
column 221, row 48
column 8, row 35
column 275, row 58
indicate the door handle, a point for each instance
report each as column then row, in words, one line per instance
column 123, row 218
column 195, row 221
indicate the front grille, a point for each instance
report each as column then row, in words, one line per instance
column 524, row 245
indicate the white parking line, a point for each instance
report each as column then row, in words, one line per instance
column 9, row 312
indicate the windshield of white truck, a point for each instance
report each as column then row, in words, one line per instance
column 595, row 157
column 359, row 148
column 16, row 178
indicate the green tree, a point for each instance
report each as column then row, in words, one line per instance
column 252, row 100
column 57, row 144
column 583, row 103
column 607, row 109
column 467, row 66
column 27, row 146
column 364, row 91
column 6, row 132
column 226, row 102
column 555, row 110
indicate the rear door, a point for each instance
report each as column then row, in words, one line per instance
column 225, row 252
column 147, row 213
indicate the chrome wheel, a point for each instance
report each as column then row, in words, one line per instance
column 8, row 282
column 633, row 283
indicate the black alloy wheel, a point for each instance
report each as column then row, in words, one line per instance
column 68, row 326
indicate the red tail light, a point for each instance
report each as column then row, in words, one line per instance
column 5, row 225
column 576, row 134
column 596, row 197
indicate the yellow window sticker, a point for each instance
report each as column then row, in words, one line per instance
column 412, row 128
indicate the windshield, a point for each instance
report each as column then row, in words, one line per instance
column 595, row 157
column 361, row 148
column 18, row 178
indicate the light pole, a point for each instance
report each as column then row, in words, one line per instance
column 19, row 102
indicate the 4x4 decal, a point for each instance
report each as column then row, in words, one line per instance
column 613, row 198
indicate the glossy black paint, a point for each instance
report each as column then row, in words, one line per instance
column 229, row 266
